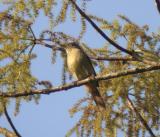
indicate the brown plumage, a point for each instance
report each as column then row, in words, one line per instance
column 80, row 66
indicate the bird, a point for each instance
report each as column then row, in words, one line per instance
column 80, row 66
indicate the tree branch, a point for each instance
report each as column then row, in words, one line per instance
column 132, row 107
column 112, row 58
column 133, row 54
column 38, row 41
column 54, row 47
column 81, row 82
column 10, row 122
column 101, row 32
column 34, row 39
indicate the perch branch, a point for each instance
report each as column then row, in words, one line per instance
column 81, row 82
column 113, row 58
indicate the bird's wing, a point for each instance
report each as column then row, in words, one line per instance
column 90, row 71
column 89, row 65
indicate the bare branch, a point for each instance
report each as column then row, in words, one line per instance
column 132, row 107
column 81, row 82
column 101, row 32
column 10, row 122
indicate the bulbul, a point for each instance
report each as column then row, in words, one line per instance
column 80, row 66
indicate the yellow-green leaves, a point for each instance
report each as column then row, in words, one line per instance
column 17, row 41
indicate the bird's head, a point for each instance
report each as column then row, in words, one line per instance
column 71, row 46
column 68, row 47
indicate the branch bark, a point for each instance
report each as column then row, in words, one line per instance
column 81, row 82
column 112, row 58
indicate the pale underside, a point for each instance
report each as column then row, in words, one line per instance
column 80, row 66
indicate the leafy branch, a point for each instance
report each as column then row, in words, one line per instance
column 116, row 45
column 81, row 82
column 133, row 108
column 101, row 32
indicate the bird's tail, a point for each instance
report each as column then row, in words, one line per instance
column 96, row 95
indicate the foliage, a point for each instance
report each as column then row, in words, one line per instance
column 17, row 41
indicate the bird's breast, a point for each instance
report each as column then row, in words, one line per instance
column 75, row 62
column 74, row 59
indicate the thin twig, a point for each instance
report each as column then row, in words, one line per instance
column 34, row 40
column 39, row 41
column 81, row 82
column 132, row 107
column 100, row 31
column 34, row 36
column 10, row 122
